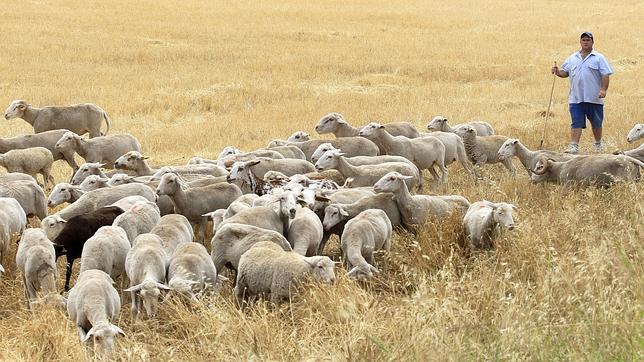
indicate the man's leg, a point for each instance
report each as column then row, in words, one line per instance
column 597, row 132
column 575, row 135
column 578, row 122
column 596, row 117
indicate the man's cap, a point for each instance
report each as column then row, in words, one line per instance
column 586, row 33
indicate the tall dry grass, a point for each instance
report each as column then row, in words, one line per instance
column 190, row 77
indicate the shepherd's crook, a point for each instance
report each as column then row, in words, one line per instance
column 543, row 134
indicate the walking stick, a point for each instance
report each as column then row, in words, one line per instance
column 552, row 89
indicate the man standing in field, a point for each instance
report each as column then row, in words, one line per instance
column 589, row 75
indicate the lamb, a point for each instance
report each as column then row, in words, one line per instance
column 367, row 175
column 146, row 265
column 299, row 136
column 13, row 220
column 29, row 195
column 483, row 221
column 47, row 139
column 138, row 219
column 191, row 270
column 439, row 123
column 193, row 202
column 73, row 233
column 352, row 146
column 635, row 133
column 174, row 230
column 482, row 150
column 597, row 170
column 369, row 231
column 105, row 149
column 266, row 217
column 30, row 161
column 335, row 123
column 305, row 232
column 512, row 147
column 36, row 260
column 79, row 118
column 424, row 152
column 415, row 209
column 106, row 251
column 232, row 240
column 93, row 304
column 358, row 160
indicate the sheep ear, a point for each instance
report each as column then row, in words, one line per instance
column 302, row 202
column 343, row 212
column 22, row 107
column 87, row 335
column 118, row 330
column 1, row 269
column 515, row 142
column 514, row 207
column 353, row 272
column 144, row 157
column 382, row 126
column 134, row 289
column 101, row 164
column 253, row 163
column 162, row 286
column 403, row 177
column 322, row 198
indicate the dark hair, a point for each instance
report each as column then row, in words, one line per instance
column 586, row 34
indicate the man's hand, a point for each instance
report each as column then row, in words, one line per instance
column 555, row 70
column 602, row 93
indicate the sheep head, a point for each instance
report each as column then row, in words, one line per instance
column 362, row 272
column 68, row 141
column 170, row 183
column 150, row 292
column 61, row 193
column 322, row 148
column 228, row 151
column 52, row 226
column 437, row 123
column 635, row 133
column 103, row 335
column 329, row 123
column 322, row 268
column 86, row 169
column 329, row 160
column 120, row 179
column 391, row 182
column 508, row 149
column 371, row 130
column 93, row 182
column 502, row 214
column 16, row 109
column 129, row 161
column 299, row 136
column 333, row 214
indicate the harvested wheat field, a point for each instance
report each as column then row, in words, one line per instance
column 188, row 78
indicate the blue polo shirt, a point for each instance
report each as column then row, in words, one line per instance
column 585, row 76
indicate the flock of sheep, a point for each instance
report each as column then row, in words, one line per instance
column 272, row 209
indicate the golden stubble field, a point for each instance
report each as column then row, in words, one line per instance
column 190, row 77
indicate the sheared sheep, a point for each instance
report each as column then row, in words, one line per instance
column 267, row 269
column 94, row 182
column 140, row 218
column 267, row 217
column 439, row 123
column 174, row 230
column 106, row 250
column 36, row 260
column 305, row 232
column 29, row 195
column 483, row 150
column 93, row 305
column 105, row 149
column 64, row 192
column 369, row 231
column 358, row 160
column 13, row 220
column 191, row 270
column 78, row 118
column 30, row 161
column 635, row 133
column 512, row 147
column 335, row 123
column 597, row 170
column 483, row 220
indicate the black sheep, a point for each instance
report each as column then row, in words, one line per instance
column 77, row 230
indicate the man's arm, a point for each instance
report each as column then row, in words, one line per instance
column 559, row 72
column 604, row 86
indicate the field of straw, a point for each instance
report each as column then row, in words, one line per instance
column 190, row 77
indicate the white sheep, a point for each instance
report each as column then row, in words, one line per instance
column 140, row 218
column 13, row 220
column 205, row 169
column 104, row 149
column 287, row 152
column 358, row 160
column 28, row 193
column 305, row 232
column 267, row 217
column 191, row 270
column 367, row 175
column 232, row 240
column 267, row 269
column 415, row 209
column 146, row 265
column 513, row 147
column 439, row 123
column 352, row 146
column 36, row 260
column 299, row 136
column 106, row 250
column 174, row 230
column 635, row 133
column 128, row 201
column 93, row 305
column 94, row 182
column 599, row 170
column 120, row 179
column 425, row 152
column 337, row 213
column 369, row 231
column 483, row 220
column 482, row 150
column 30, row 161
column 87, row 169
column 64, row 192
column 335, row 123
column 78, row 118
column 193, row 202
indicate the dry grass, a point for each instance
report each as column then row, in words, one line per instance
column 190, row 77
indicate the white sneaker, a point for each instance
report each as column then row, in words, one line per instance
column 573, row 149
column 599, row 147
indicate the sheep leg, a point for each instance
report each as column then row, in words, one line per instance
column 68, row 273
column 325, row 238
column 24, row 282
column 510, row 166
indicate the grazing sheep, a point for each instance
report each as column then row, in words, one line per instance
column 483, row 150
column 106, row 250
column 174, row 230
column 36, row 260
column 79, row 118
column 299, row 136
column 335, row 123
column 138, row 219
column 267, row 269
column 193, row 202
column 47, row 139
column 597, row 170
column 191, row 270
column 439, row 123
column 424, row 152
column 635, row 133
column 29, row 195
column 367, row 175
column 305, row 232
column 105, row 149
column 369, row 231
column 13, row 220
column 73, row 233
column 94, row 182
column 483, row 221
column 232, row 240
column 146, row 266
column 415, row 209
column 352, row 146
column 512, row 147
column 30, row 161
column 93, row 304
